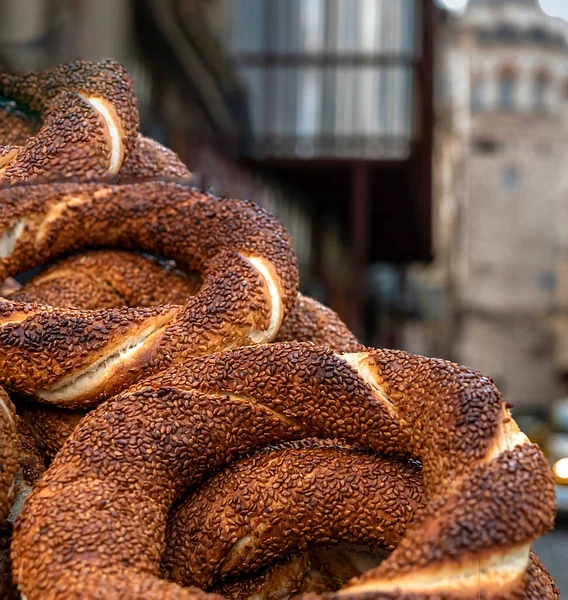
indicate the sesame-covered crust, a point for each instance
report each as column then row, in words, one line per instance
column 89, row 122
column 247, row 515
column 311, row 321
column 77, row 357
column 416, row 459
column 30, row 467
column 112, row 278
column 318, row 570
column 50, row 425
column 109, row 279
column 9, row 453
column 149, row 159
column 95, row 525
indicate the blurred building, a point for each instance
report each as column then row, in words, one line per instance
column 319, row 109
column 508, row 276
column 339, row 98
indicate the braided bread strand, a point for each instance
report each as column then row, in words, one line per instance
column 102, row 505
column 109, row 279
column 73, row 357
column 89, row 122
column 9, row 453
column 247, row 515
column 113, row 278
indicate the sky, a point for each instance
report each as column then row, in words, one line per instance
column 554, row 8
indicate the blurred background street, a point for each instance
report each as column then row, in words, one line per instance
column 415, row 149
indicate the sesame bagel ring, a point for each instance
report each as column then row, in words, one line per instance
column 87, row 122
column 109, row 279
column 149, row 160
column 255, row 511
column 113, row 278
column 75, row 357
column 94, row 526
column 49, row 425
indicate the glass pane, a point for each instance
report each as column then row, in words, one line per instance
column 309, row 101
column 312, row 25
column 506, row 92
column 253, row 78
column 248, row 30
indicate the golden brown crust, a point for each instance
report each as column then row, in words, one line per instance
column 89, row 122
column 539, row 583
column 103, row 503
column 49, row 425
column 109, row 279
column 150, row 159
column 9, row 453
column 243, row 254
column 30, row 468
column 254, row 511
column 16, row 126
column 31, row 464
column 280, row 580
column 311, row 321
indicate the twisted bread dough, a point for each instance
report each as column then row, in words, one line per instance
column 149, row 160
column 313, row 322
column 9, row 453
column 89, row 122
column 111, row 279
column 77, row 120
column 318, row 570
column 49, row 425
column 30, row 467
column 94, row 526
column 73, row 357
column 247, row 515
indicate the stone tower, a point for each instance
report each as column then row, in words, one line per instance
column 512, row 225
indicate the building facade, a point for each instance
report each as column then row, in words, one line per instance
column 512, row 229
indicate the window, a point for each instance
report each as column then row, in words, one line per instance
column 510, row 179
column 547, row 281
column 476, row 95
column 506, row 90
column 485, row 146
column 506, row 32
column 540, row 85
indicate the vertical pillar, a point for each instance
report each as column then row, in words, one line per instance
column 359, row 234
column 426, row 83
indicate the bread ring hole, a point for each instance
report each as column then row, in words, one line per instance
column 18, row 115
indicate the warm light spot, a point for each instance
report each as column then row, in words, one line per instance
column 561, row 468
